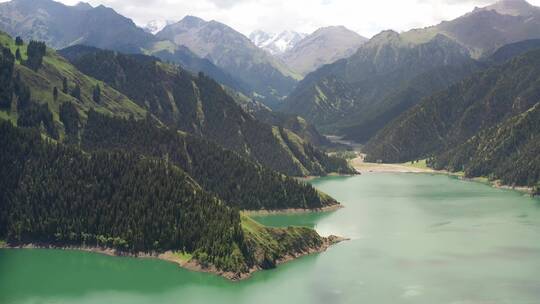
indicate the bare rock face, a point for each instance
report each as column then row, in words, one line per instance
column 276, row 44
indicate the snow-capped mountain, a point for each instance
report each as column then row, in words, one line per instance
column 276, row 44
column 155, row 26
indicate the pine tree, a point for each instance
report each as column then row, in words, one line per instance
column 64, row 85
column 96, row 96
column 55, row 93
column 76, row 92
column 6, row 74
column 35, row 52
column 19, row 41
column 18, row 55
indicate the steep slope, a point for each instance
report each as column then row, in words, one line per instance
column 354, row 91
column 31, row 86
column 324, row 46
column 509, row 152
column 451, row 117
column 60, row 25
column 504, row 22
column 236, row 54
column 71, row 120
column 239, row 182
column 201, row 106
column 276, row 44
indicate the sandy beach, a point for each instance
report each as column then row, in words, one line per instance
column 363, row 167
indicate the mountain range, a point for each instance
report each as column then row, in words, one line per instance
column 270, row 79
column 359, row 95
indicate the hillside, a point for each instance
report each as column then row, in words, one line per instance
column 68, row 119
column 40, row 86
column 239, row 182
column 59, row 196
column 450, row 118
column 509, row 152
column 200, row 106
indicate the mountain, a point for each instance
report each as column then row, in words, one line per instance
column 512, row 8
column 269, row 79
column 383, row 78
column 345, row 99
column 154, row 26
column 472, row 124
column 200, row 106
column 504, row 22
column 60, row 25
column 324, row 46
column 276, row 44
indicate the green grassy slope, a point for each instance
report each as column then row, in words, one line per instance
column 50, row 75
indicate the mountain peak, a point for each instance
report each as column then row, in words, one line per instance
column 83, row 6
column 512, row 7
column 190, row 20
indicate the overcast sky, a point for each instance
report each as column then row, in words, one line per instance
column 367, row 17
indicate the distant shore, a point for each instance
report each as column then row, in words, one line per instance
column 359, row 164
column 178, row 259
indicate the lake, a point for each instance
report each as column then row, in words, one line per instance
column 415, row 238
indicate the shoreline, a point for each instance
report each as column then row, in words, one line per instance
column 191, row 264
column 292, row 210
column 375, row 168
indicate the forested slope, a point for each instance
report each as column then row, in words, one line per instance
column 200, row 106
column 509, row 152
column 70, row 119
column 474, row 125
column 58, row 195
column 239, row 182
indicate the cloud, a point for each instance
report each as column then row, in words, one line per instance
column 367, row 17
column 226, row 3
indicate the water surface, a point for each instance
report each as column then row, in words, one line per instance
column 415, row 239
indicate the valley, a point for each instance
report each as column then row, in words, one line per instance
column 241, row 152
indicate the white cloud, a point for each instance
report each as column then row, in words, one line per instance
column 367, row 17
